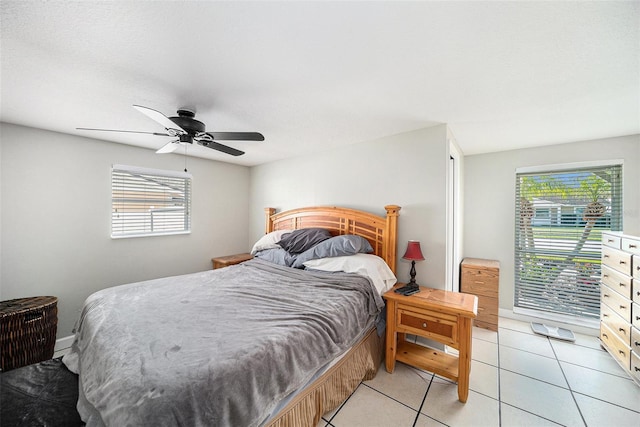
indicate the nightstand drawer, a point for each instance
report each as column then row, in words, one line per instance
column 428, row 324
column 617, row 281
column 616, row 259
column 617, row 302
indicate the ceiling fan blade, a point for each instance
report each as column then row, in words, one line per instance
column 157, row 116
column 169, row 147
column 225, row 149
column 237, row 136
column 125, row 131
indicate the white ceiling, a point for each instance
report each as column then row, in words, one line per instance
column 317, row 75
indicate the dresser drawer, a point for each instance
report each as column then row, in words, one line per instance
column 429, row 324
column 487, row 313
column 635, row 315
column 635, row 340
column 621, row 327
column 617, row 302
column 480, row 281
column 617, row 281
column 618, row 260
column 631, row 245
column 636, row 268
column 611, row 240
column 635, row 366
column 615, row 345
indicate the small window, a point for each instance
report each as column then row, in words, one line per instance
column 149, row 202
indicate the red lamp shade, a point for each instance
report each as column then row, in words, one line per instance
column 413, row 252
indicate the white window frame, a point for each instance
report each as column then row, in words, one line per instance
column 168, row 182
column 568, row 318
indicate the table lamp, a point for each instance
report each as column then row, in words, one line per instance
column 413, row 254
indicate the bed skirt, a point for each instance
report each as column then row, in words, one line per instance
column 361, row 363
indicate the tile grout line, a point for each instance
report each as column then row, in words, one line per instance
column 533, row 413
column 568, row 385
column 415, row 420
column 499, row 388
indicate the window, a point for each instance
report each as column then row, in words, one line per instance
column 149, row 202
column 560, row 216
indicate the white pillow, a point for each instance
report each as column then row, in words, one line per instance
column 368, row 265
column 269, row 241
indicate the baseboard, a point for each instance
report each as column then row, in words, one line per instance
column 581, row 329
column 63, row 343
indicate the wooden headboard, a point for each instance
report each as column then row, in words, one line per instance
column 380, row 231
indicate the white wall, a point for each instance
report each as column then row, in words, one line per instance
column 407, row 169
column 55, row 230
column 489, row 198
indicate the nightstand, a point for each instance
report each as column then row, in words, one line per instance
column 441, row 316
column 226, row 261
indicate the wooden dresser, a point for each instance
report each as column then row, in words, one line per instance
column 480, row 277
column 620, row 300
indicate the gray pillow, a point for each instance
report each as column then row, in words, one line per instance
column 299, row 241
column 347, row 244
column 277, row 256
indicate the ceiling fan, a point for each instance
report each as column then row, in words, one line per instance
column 187, row 129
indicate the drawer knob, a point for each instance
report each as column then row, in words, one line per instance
column 606, row 336
column 623, row 307
column 637, row 343
column 633, row 246
column 623, row 262
column 622, row 285
column 605, row 315
column 636, row 368
column 605, row 256
column 424, row 325
column 606, row 295
column 621, row 352
column 622, row 330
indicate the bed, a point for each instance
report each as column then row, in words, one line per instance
column 258, row 343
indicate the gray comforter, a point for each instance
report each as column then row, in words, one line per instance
column 216, row 348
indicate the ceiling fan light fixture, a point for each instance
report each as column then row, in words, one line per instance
column 187, row 129
column 186, row 139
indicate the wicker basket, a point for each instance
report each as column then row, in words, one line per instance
column 27, row 331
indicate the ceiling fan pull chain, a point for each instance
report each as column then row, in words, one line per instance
column 185, row 158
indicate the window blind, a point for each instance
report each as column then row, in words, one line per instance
column 559, row 219
column 149, row 202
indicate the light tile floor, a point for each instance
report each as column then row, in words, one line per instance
column 517, row 379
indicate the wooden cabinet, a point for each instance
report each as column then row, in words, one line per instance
column 620, row 300
column 481, row 277
column 226, row 261
column 436, row 314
